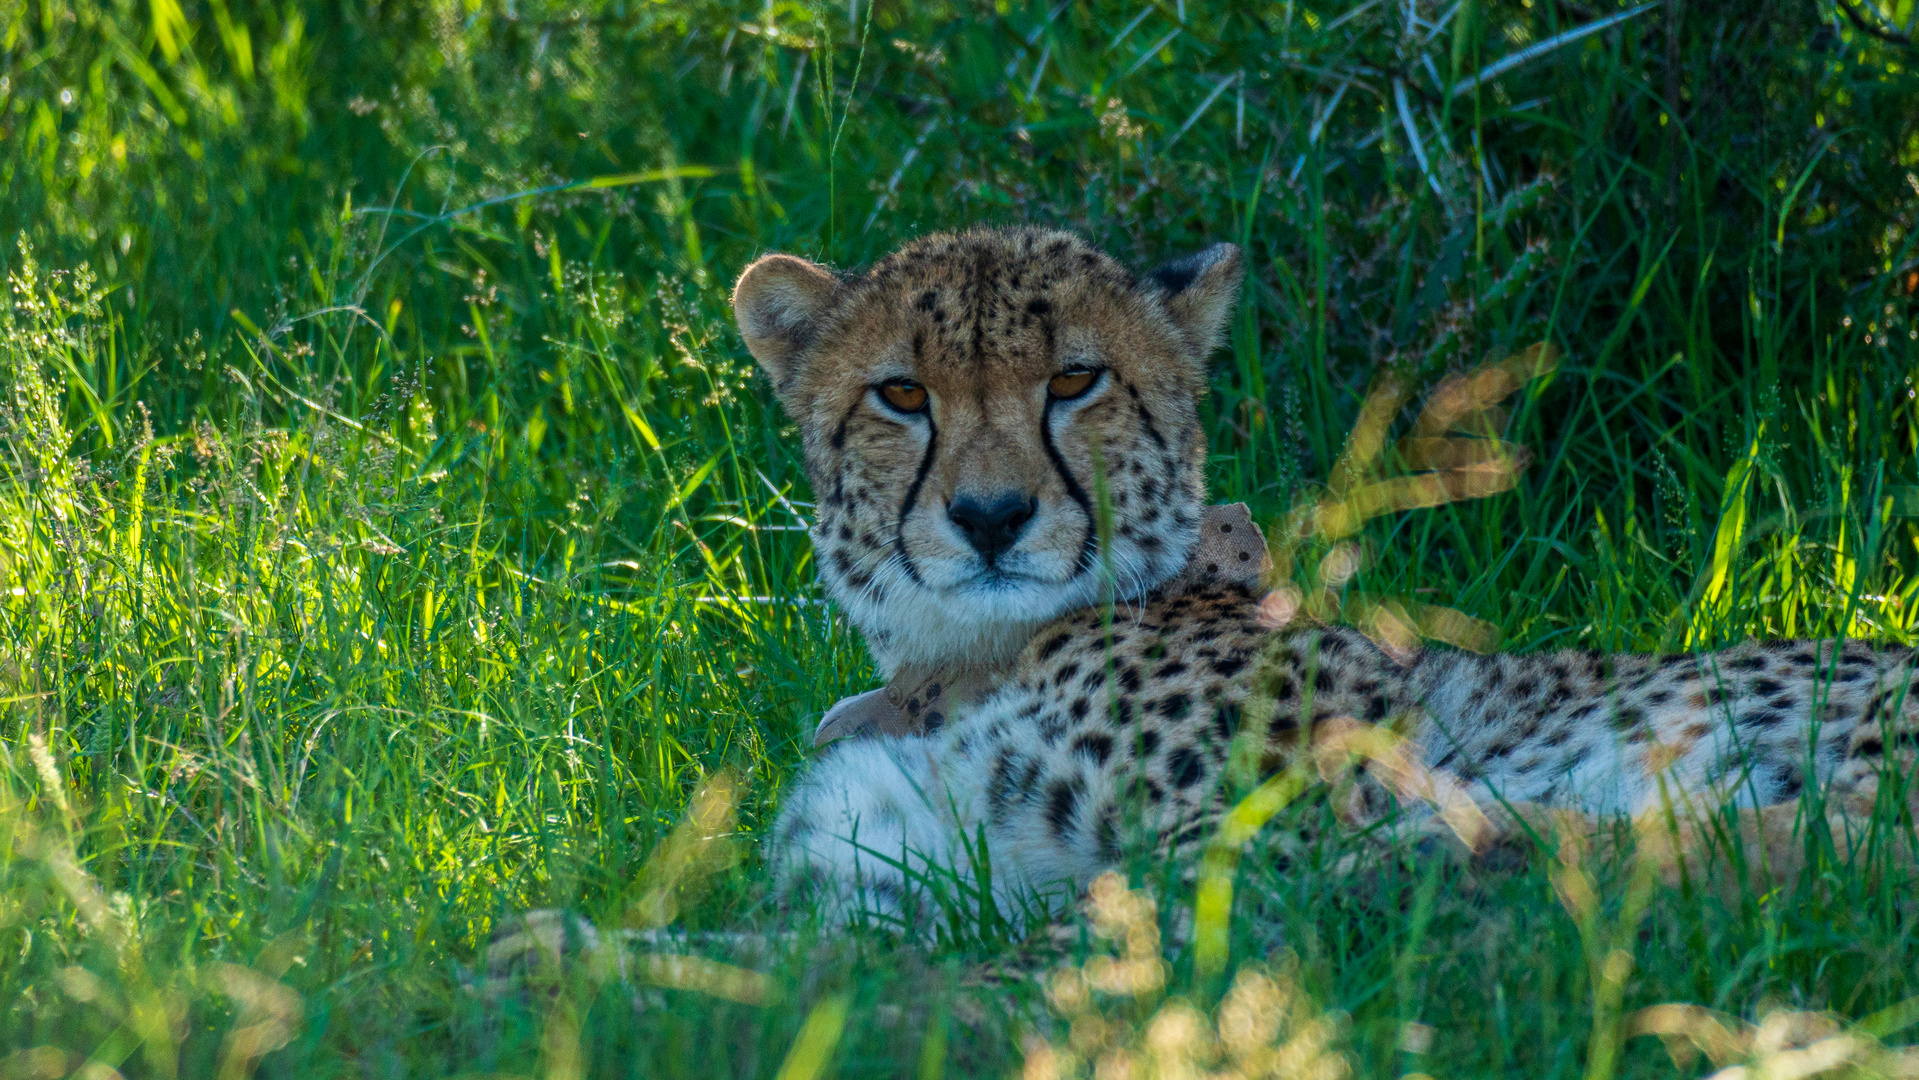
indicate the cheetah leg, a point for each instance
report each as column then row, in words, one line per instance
column 1861, row 757
column 1868, row 740
column 868, row 823
column 1695, row 845
column 1883, row 746
column 1682, row 832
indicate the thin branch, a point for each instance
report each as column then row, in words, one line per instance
column 1859, row 22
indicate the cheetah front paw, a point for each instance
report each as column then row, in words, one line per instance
column 865, row 828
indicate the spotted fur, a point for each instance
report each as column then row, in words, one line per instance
column 1115, row 724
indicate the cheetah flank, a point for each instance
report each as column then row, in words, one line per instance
column 966, row 405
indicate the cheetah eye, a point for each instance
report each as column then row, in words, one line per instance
column 904, row 394
column 1073, row 383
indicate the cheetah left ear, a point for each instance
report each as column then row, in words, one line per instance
column 1198, row 293
column 777, row 304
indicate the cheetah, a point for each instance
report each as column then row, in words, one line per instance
column 1002, row 432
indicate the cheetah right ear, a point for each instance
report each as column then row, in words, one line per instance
column 1198, row 293
column 777, row 305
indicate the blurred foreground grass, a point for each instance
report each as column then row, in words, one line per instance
column 387, row 549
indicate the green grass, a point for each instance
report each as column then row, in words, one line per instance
column 376, row 567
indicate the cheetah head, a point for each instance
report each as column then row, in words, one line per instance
column 968, row 405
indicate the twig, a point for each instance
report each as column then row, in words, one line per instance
column 1891, row 37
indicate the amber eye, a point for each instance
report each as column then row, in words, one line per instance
column 1068, row 385
column 905, row 395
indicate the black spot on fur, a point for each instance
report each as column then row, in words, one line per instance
column 1062, row 798
column 1791, row 781
column 1029, row 780
column 1000, row 785
column 1094, row 745
column 1226, row 721
column 1184, row 767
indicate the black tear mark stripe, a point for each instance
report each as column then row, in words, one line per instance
column 1089, row 543
column 912, row 496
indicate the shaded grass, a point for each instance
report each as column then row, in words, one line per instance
column 368, row 584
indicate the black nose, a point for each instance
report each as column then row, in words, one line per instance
column 993, row 523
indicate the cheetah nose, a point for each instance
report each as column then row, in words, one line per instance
column 993, row 523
